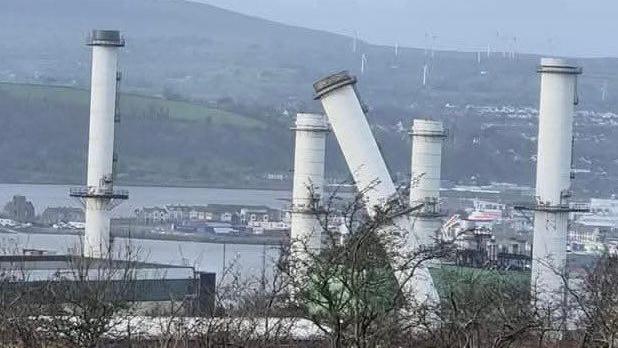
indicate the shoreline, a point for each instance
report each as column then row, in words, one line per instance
column 123, row 232
column 220, row 187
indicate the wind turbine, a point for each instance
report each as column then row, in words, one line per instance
column 363, row 63
column 433, row 43
column 500, row 39
column 514, row 48
column 395, row 63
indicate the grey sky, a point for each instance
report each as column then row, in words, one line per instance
column 559, row 27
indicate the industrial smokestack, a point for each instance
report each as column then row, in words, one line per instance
column 553, row 176
column 309, row 157
column 99, row 196
column 427, row 137
column 361, row 152
column 347, row 118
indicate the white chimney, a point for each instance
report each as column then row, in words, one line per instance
column 309, row 155
column 347, row 119
column 361, row 152
column 427, row 137
column 99, row 195
column 553, row 176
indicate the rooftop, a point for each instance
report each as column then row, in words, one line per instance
column 43, row 267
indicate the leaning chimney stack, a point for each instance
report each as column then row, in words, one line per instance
column 340, row 100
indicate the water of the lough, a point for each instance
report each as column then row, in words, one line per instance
column 251, row 261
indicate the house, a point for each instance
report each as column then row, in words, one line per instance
column 258, row 214
column 603, row 214
column 233, row 214
column 179, row 213
column 202, row 218
column 225, row 213
column 54, row 215
column 607, row 207
column 19, row 209
column 261, row 227
column 155, row 215
column 486, row 213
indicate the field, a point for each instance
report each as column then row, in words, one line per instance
column 130, row 104
column 449, row 278
column 44, row 139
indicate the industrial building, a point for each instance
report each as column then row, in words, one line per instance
column 19, row 209
column 148, row 285
column 55, row 215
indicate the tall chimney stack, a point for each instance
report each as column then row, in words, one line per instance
column 309, row 155
column 427, row 137
column 553, row 177
column 347, row 118
column 99, row 196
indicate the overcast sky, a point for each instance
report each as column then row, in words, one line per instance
column 557, row 27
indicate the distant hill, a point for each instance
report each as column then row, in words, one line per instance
column 44, row 133
column 222, row 84
column 201, row 51
column 137, row 106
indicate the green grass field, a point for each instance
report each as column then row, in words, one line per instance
column 447, row 275
column 130, row 104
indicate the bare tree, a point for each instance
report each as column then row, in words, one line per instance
column 75, row 306
column 348, row 288
column 593, row 303
column 483, row 308
column 89, row 298
column 249, row 312
column 20, row 310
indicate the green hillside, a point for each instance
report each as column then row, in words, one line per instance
column 130, row 104
column 44, row 133
column 245, row 78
